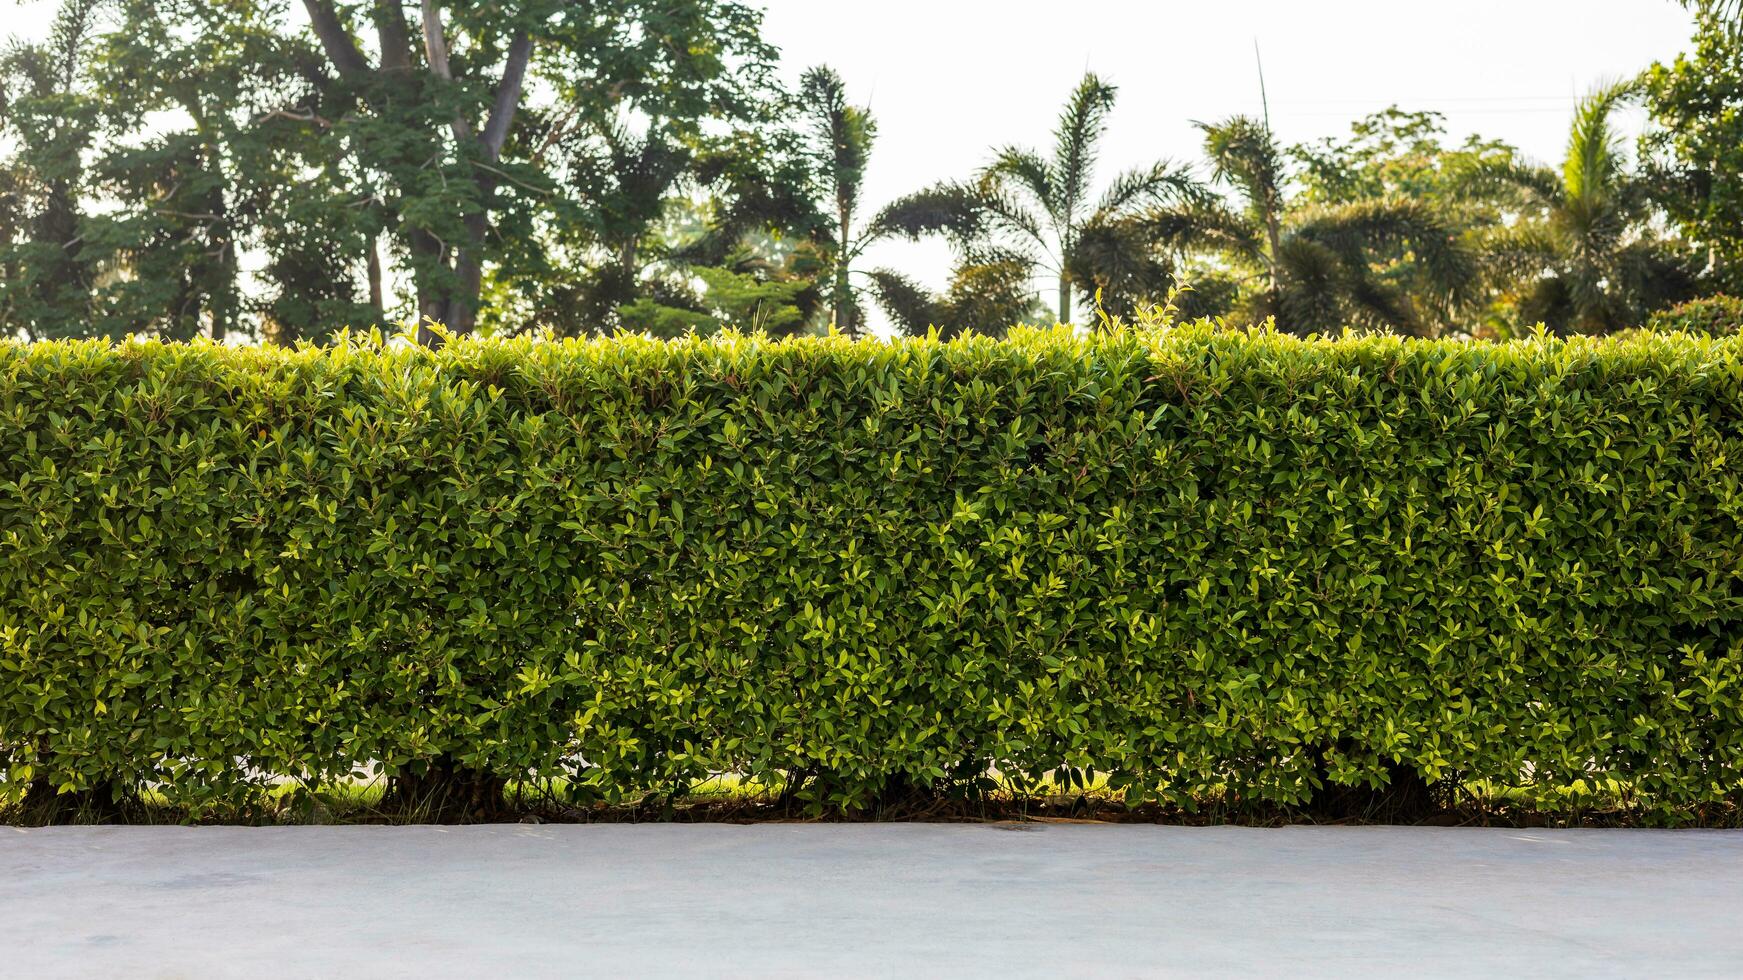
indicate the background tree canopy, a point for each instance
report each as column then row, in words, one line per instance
column 284, row 169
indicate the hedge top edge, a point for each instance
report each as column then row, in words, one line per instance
column 1155, row 332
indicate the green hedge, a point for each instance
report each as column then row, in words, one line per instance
column 1198, row 563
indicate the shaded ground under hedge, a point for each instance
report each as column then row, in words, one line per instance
column 725, row 802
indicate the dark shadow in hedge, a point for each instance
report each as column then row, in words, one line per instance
column 107, row 802
column 442, row 790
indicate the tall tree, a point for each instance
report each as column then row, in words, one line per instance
column 51, row 119
column 1043, row 206
column 1582, row 255
column 987, row 294
column 1695, row 147
column 194, row 86
column 842, row 135
column 1394, row 154
column 1316, row 267
column 436, row 127
column 439, row 106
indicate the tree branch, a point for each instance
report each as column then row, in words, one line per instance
column 335, row 39
column 507, row 94
column 558, row 131
column 435, row 42
column 396, row 45
column 310, row 116
column 436, row 52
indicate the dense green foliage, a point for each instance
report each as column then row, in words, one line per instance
column 1697, row 142
column 1713, row 315
column 1195, row 561
column 147, row 147
column 1583, row 255
column 1382, row 261
column 1391, row 153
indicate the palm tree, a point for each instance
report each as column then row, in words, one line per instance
column 1581, row 255
column 631, row 177
column 1042, row 208
column 1723, row 11
column 842, row 136
column 988, row 292
column 1386, row 262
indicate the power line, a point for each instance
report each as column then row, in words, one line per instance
column 1264, row 103
column 1352, row 100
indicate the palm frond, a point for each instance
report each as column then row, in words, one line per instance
column 1520, row 252
column 1204, row 226
column 1121, row 260
column 952, row 209
column 1545, row 301
column 1594, row 153
column 911, row 306
column 1076, row 140
column 1658, row 272
column 1512, row 182
column 1595, row 307
column 1307, row 298
column 1378, row 305
column 1007, row 217
column 989, row 296
column 1016, row 168
column 1245, row 155
column 1359, row 230
column 1158, row 183
column 989, row 251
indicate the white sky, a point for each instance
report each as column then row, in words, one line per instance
column 950, row 79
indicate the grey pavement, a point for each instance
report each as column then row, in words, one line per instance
column 867, row 900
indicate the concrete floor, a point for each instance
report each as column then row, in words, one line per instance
column 907, row 900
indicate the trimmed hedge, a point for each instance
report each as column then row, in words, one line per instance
column 1199, row 563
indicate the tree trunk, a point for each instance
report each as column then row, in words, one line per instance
column 1064, row 299
column 372, row 258
column 843, row 287
column 446, row 792
column 469, row 275
column 1274, row 244
column 1406, row 798
column 104, row 802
